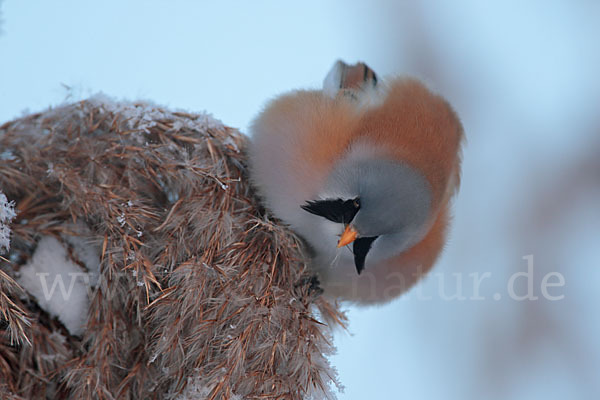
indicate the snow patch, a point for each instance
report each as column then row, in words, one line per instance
column 85, row 252
column 58, row 284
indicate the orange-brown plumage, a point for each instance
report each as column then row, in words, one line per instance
column 420, row 128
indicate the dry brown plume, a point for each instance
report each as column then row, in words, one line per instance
column 201, row 293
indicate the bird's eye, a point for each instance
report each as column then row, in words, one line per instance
column 336, row 210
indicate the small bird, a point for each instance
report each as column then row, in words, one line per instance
column 364, row 172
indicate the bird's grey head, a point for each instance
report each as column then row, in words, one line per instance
column 380, row 204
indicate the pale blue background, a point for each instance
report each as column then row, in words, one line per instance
column 524, row 76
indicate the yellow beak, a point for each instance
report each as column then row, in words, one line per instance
column 347, row 237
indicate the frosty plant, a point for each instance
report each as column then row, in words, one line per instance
column 194, row 288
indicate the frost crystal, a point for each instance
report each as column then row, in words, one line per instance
column 144, row 115
column 121, row 219
column 7, row 213
column 196, row 389
column 7, row 155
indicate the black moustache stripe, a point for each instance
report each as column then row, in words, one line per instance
column 360, row 249
column 336, row 210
